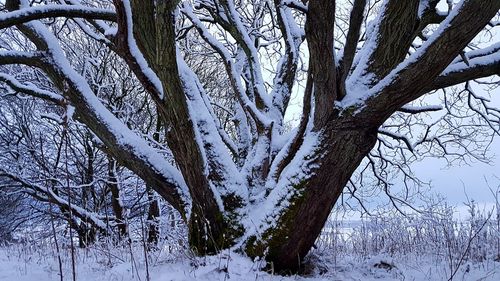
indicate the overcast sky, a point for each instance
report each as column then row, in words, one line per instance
column 452, row 181
column 457, row 181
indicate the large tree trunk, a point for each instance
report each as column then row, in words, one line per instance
column 174, row 113
column 286, row 244
column 343, row 142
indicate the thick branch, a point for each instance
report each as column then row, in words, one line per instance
column 394, row 36
column 410, row 79
column 478, row 67
column 14, row 57
column 319, row 32
column 287, row 67
column 126, row 47
column 189, row 136
column 355, row 22
column 143, row 16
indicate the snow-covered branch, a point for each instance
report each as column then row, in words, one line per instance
column 125, row 145
column 31, row 89
column 17, row 57
column 454, row 33
column 285, row 76
column 419, row 109
column 51, row 11
column 46, row 194
column 480, row 63
column 296, row 5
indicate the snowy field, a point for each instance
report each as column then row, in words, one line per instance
column 435, row 246
column 431, row 246
column 22, row 265
column 442, row 243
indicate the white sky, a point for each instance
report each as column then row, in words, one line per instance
column 459, row 182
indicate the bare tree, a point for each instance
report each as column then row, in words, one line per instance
column 250, row 183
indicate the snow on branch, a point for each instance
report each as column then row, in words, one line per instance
column 134, row 51
column 398, row 137
column 293, row 36
column 239, row 32
column 460, row 72
column 52, row 197
column 11, row 57
column 30, row 89
column 210, row 136
column 419, row 109
column 51, row 11
column 472, row 65
column 231, row 69
column 296, row 5
column 130, row 149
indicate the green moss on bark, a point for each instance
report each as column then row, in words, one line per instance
column 272, row 239
column 204, row 240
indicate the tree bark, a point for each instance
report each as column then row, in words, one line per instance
column 344, row 145
column 153, row 220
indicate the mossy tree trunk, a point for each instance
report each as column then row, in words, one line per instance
column 298, row 226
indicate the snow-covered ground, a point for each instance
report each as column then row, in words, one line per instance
column 27, row 264
column 429, row 246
